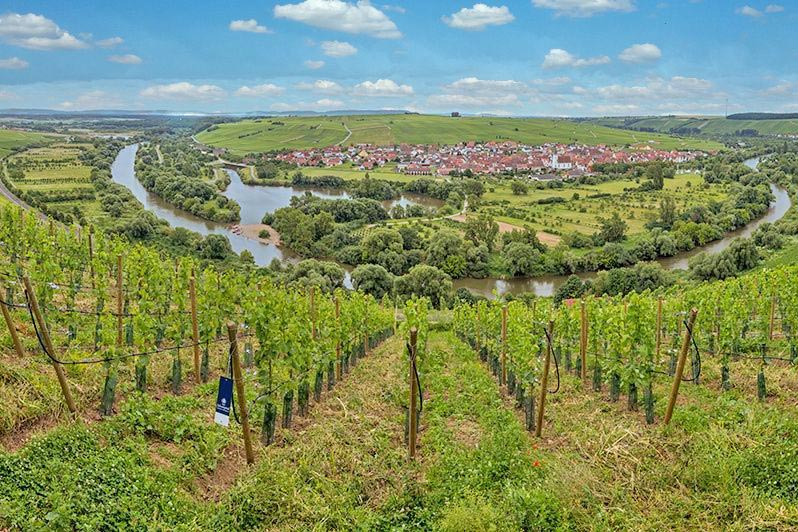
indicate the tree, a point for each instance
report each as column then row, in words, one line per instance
column 372, row 279
column 613, row 228
column 572, row 288
column 655, row 174
column 482, row 229
column 384, row 246
column 667, row 212
column 311, row 272
column 444, row 244
column 519, row 188
column 425, row 281
column 215, row 247
column 522, row 259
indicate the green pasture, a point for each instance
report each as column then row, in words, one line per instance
column 267, row 134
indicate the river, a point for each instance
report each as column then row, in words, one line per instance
column 255, row 201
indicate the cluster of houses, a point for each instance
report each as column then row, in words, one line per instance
column 481, row 158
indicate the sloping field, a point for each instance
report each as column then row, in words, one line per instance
column 10, row 139
column 268, row 134
column 706, row 125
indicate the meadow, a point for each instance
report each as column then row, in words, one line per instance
column 11, row 139
column 270, row 134
column 710, row 126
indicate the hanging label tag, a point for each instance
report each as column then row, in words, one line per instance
column 224, row 400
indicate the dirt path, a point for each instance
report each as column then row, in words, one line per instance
column 252, row 231
column 349, row 134
column 504, row 227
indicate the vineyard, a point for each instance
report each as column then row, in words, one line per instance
column 354, row 413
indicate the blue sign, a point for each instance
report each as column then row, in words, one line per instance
column 224, row 401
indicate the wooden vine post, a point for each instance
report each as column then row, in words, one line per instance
column 91, row 254
column 119, row 302
column 338, row 339
column 659, row 327
column 503, row 377
column 12, row 329
column 544, row 382
column 677, row 379
column 583, row 340
column 48, row 344
column 411, row 442
column 772, row 316
column 192, row 293
column 241, row 398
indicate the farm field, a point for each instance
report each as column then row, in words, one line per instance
column 56, row 173
column 715, row 125
column 269, row 134
column 10, row 139
column 582, row 214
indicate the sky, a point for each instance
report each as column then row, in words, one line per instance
column 519, row 58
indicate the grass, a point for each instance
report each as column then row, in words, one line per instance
column 581, row 215
column 11, row 139
column 707, row 125
column 281, row 133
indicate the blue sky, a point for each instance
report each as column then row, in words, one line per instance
column 524, row 57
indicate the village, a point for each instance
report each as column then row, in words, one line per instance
column 542, row 161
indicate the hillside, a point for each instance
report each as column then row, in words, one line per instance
column 10, row 139
column 710, row 126
column 267, row 134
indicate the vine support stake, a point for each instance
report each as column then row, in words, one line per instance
column 677, row 379
column 12, row 329
column 338, row 340
column 544, row 383
column 119, row 304
column 192, row 293
column 583, row 340
column 48, row 344
column 241, row 397
column 503, row 377
column 413, row 391
column 91, row 254
column 659, row 327
column 772, row 316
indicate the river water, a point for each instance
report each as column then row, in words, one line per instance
column 255, row 201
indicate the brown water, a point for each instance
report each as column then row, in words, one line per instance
column 547, row 284
column 255, row 201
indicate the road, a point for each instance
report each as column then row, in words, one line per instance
column 348, row 134
column 15, row 200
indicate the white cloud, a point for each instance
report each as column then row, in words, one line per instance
column 36, row 32
column 584, row 8
column 95, row 99
column 658, row 89
column 125, row 59
column 395, row 9
column 314, row 65
column 183, row 91
column 5, row 95
column 320, row 85
column 616, row 109
column 382, row 87
column 559, row 58
column 479, row 17
column 473, row 100
column 13, row 63
column 779, row 90
column 478, row 93
column 250, row 26
column 266, row 89
column 641, row 53
column 325, row 104
column 749, row 11
column 774, row 8
column 360, row 17
column 110, row 42
column 337, row 49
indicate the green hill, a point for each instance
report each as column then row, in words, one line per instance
column 10, row 139
column 266, row 134
column 704, row 125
